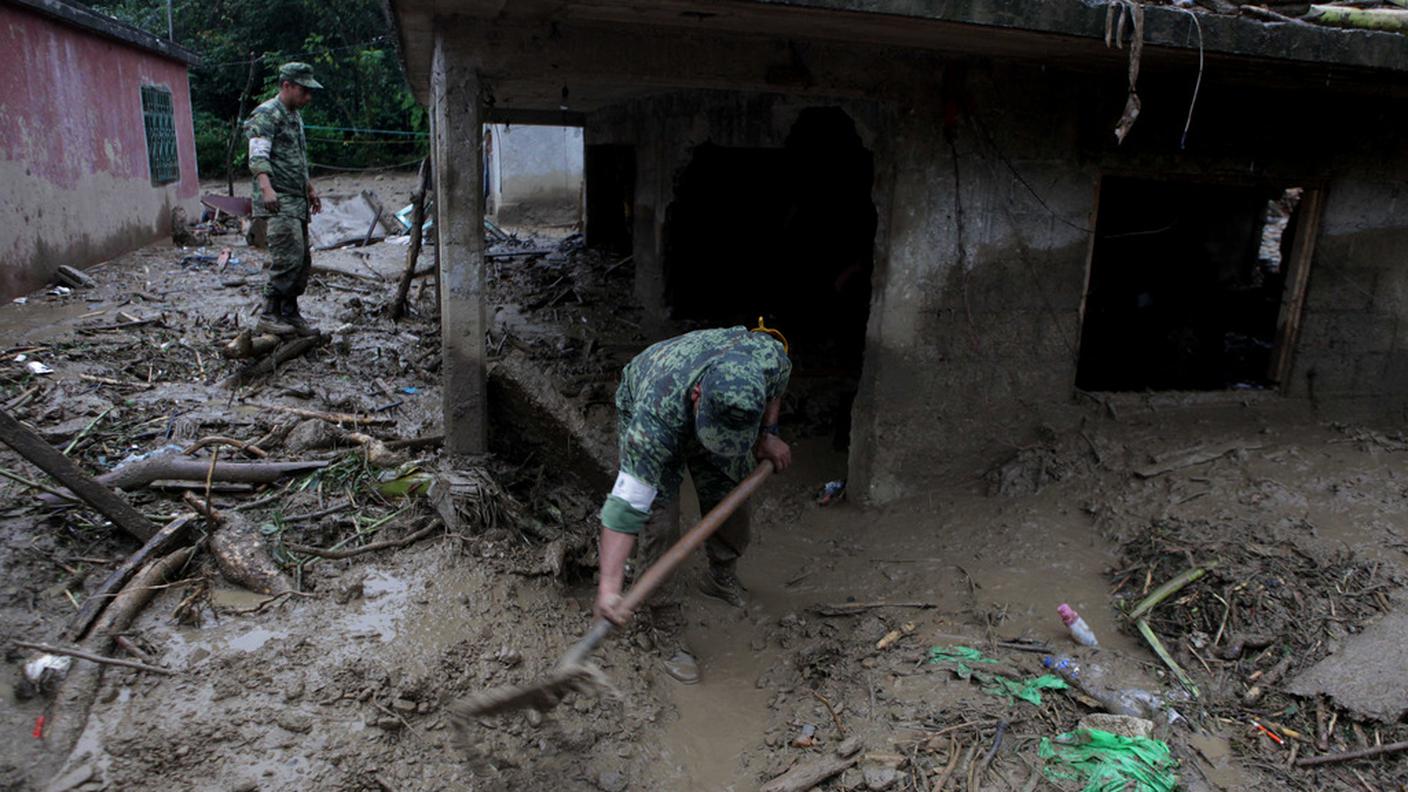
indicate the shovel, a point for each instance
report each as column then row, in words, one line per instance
column 573, row 672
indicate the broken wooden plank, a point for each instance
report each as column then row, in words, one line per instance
column 48, row 459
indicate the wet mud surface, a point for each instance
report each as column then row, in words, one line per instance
column 346, row 686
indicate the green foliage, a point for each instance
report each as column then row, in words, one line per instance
column 349, row 44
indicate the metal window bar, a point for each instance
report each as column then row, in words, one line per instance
column 159, row 120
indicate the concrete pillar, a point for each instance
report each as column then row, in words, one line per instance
column 459, row 225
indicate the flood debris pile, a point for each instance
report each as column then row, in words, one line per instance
column 1252, row 616
column 1386, row 15
column 970, row 712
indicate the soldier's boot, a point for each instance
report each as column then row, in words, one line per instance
column 682, row 666
column 721, row 582
column 294, row 319
column 271, row 318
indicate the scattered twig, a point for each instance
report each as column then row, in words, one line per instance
column 1363, row 753
column 1160, row 650
column 330, row 417
column 836, row 719
column 96, row 658
column 248, row 448
column 425, row 531
column 852, row 608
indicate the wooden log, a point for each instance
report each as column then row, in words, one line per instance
column 284, row 353
column 47, row 458
column 398, row 305
column 172, row 534
column 240, row 552
column 140, row 474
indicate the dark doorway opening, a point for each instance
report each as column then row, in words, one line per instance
column 610, row 172
column 1187, row 283
column 787, row 234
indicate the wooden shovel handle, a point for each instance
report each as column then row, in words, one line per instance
column 672, row 558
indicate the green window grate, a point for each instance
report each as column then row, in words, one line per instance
column 161, row 134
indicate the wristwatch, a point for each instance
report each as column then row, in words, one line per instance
column 772, row 429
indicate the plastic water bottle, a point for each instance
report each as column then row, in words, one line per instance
column 1080, row 631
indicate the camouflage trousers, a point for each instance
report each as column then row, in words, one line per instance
column 663, row 528
column 291, row 254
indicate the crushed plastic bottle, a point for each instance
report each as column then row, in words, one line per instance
column 1080, row 631
column 1092, row 679
column 831, row 492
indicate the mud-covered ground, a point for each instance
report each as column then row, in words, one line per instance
column 347, row 687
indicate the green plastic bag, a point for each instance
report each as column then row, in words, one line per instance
column 1028, row 690
column 960, row 656
column 967, row 661
column 1108, row 762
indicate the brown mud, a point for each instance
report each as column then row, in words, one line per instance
column 346, row 689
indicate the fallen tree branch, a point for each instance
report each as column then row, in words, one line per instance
column 171, row 534
column 398, row 304
column 425, row 531
column 96, row 658
column 93, row 492
column 140, row 474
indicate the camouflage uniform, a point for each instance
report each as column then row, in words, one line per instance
column 277, row 147
column 660, row 435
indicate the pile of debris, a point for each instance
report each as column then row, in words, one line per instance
column 1293, row 651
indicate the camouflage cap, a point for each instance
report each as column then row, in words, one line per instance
column 731, row 404
column 300, row 73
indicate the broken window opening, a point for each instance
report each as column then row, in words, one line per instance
column 787, row 234
column 1186, row 286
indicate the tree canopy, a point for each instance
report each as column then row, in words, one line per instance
column 365, row 116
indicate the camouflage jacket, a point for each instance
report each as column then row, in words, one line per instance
column 655, row 417
column 277, row 147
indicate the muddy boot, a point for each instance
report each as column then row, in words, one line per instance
column 271, row 318
column 295, row 320
column 720, row 582
column 682, row 667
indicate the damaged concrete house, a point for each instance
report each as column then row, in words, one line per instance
column 969, row 214
column 97, row 140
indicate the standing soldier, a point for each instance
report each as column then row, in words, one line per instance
column 278, row 158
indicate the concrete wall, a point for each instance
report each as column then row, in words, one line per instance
column 535, row 174
column 73, row 154
column 987, row 188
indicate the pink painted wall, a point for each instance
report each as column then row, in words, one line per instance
column 73, row 151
